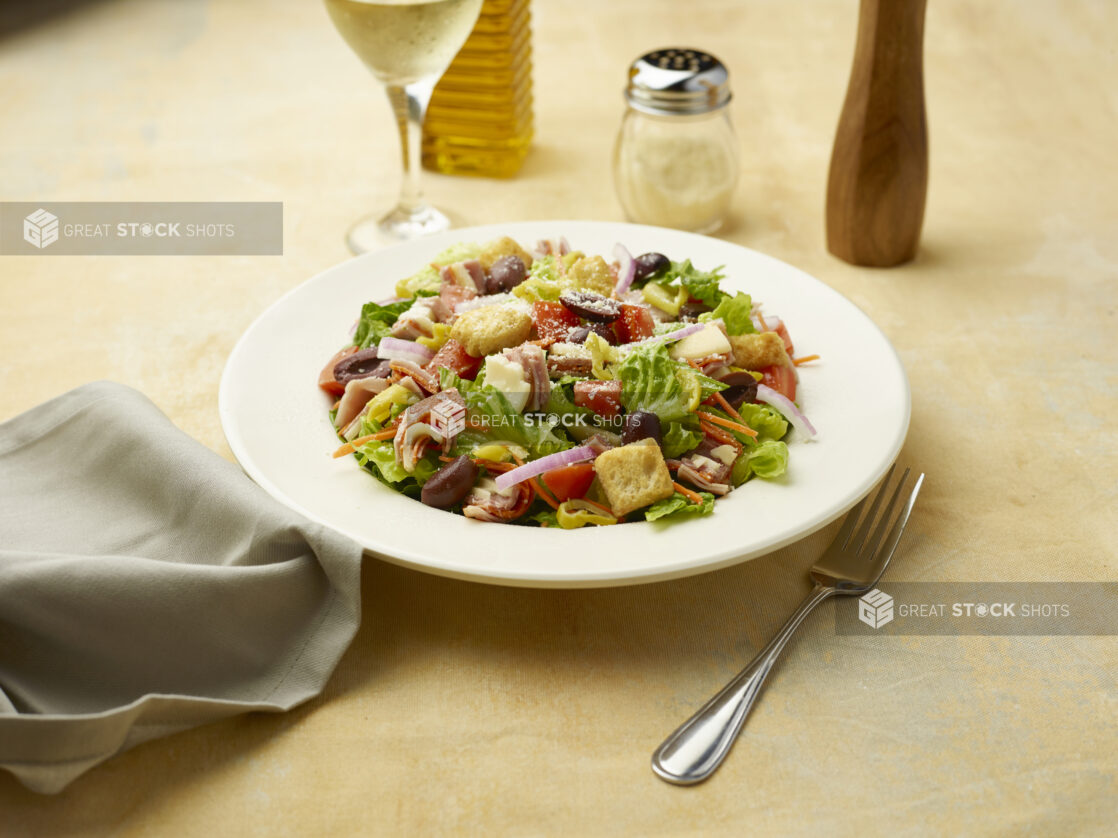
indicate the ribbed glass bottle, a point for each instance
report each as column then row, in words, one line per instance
column 479, row 121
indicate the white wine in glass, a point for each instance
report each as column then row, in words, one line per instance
column 407, row 44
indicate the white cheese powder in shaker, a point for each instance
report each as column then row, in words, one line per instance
column 675, row 163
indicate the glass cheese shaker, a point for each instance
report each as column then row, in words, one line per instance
column 675, row 163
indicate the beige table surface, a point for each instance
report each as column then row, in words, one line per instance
column 469, row 709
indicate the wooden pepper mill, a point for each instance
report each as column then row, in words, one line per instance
column 879, row 166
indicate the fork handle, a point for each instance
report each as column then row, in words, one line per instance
column 698, row 746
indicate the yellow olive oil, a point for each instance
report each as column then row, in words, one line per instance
column 479, row 121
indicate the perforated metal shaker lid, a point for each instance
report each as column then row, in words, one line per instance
column 678, row 81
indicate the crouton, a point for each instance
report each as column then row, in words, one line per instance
column 483, row 331
column 755, row 352
column 592, row 274
column 503, row 246
column 633, row 476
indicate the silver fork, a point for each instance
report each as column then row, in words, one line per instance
column 851, row 566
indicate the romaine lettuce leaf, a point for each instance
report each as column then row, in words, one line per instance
column 681, row 437
column 768, row 460
column 650, row 381
column 734, row 312
column 428, row 279
column 702, row 285
column 766, row 421
column 488, row 406
column 380, row 459
column 678, row 506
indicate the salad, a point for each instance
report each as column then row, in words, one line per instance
column 548, row 387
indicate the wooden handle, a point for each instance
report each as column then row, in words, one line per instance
column 879, row 166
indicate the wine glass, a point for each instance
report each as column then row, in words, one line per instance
column 408, row 44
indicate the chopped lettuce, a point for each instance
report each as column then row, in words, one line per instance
column 487, row 406
column 376, row 322
column 543, row 283
column 768, row 460
column 734, row 312
column 678, row 506
column 766, row 421
column 680, row 437
column 379, row 458
column 650, row 381
column 428, row 280
column 702, row 285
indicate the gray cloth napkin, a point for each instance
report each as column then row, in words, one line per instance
column 148, row 586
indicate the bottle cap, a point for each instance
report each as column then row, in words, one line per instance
column 678, row 81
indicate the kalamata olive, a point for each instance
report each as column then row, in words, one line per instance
column 648, row 264
column 505, row 274
column 361, row 364
column 691, row 311
column 590, row 306
column 579, row 334
column 743, row 388
column 450, row 484
column 641, row 424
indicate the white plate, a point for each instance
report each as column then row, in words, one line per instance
column 275, row 419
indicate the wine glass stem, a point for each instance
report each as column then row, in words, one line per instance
column 409, row 102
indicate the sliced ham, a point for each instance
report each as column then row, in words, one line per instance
column 358, row 393
column 468, row 273
column 534, row 361
column 485, row 503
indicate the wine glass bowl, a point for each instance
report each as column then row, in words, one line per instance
column 407, row 44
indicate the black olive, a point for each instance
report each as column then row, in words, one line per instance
column 648, row 264
column 590, row 306
column 641, row 424
column 450, row 484
column 505, row 274
column 691, row 311
column 743, row 388
column 361, row 364
column 578, row 334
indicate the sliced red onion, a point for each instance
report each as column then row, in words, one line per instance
column 626, row 269
column 771, row 324
column 404, row 350
column 792, row 413
column 537, row 467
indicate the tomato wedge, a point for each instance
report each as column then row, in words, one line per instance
column 569, row 481
column 781, row 378
column 603, row 397
column 553, row 321
column 784, row 336
column 454, row 357
column 326, row 378
column 635, row 323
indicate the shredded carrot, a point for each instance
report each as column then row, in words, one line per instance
column 387, row 433
column 715, row 433
column 687, row 493
column 726, row 423
column 548, row 499
column 804, row 360
column 764, row 325
column 336, row 404
column 725, row 405
column 495, row 466
column 695, row 364
column 720, row 435
column 350, row 447
column 447, row 459
column 519, row 461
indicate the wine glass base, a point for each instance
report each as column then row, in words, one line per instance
column 372, row 233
